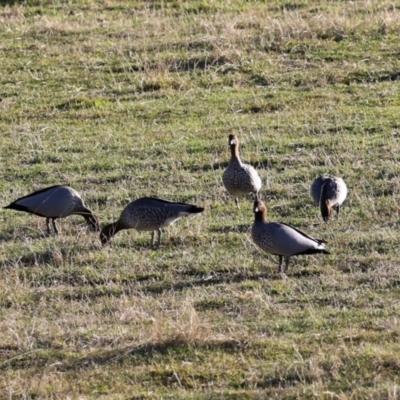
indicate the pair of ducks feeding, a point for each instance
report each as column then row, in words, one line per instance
column 276, row 238
column 152, row 214
column 144, row 214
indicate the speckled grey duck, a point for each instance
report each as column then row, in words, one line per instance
column 281, row 239
column 55, row 202
column 329, row 192
column 148, row 214
column 239, row 178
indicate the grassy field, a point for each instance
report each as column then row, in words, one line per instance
column 123, row 99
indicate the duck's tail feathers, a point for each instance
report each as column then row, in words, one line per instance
column 17, row 207
column 314, row 251
column 196, row 210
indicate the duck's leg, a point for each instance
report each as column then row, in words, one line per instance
column 287, row 264
column 159, row 236
column 280, row 264
column 237, row 202
column 54, row 226
column 152, row 238
column 337, row 211
column 48, row 226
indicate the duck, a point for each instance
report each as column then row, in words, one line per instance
column 148, row 214
column 329, row 192
column 239, row 178
column 281, row 239
column 55, row 202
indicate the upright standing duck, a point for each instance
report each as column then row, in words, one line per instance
column 239, row 178
column 281, row 239
column 148, row 214
column 55, row 202
column 328, row 192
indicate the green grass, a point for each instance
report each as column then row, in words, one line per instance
column 127, row 99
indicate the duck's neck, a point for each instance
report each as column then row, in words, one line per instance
column 108, row 232
column 235, row 150
column 326, row 209
column 90, row 218
column 260, row 216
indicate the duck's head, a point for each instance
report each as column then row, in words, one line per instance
column 260, row 210
column 233, row 140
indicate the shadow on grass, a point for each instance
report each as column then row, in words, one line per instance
column 225, row 278
column 207, row 167
column 11, row 2
column 24, row 232
column 241, row 228
column 147, row 353
column 176, row 347
column 56, row 256
column 91, row 289
column 150, row 350
column 7, row 235
column 167, row 243
column 38, row 258
column 84, row 287
column 29, row 260
column 304, row 273
column 201, row 63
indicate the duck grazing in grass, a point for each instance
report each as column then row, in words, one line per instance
column 239, row 178
column 55, row 202
column 148, row 214
column 328, row 192
column 281, row 239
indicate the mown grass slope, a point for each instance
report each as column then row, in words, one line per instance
column 126, row 99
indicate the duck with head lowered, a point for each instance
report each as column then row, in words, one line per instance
column 329, row 192
column 148, row 214
column 55, row 202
